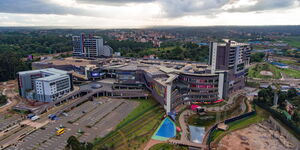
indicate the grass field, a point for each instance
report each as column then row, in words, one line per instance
column 290, row 62
column 254, row 72
column 136, row 129
column 292, row 40
column 291, row 72
column 166, row 146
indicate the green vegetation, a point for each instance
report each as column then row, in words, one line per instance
column 10, row 64
column 74, row 144
column 292, row 41
column 265, row 100
column 34, row 43
column 202, row 121
column 290, row 72
column 290, row 62
column 259, row 116
column 217, row 135
column 211, row 118
column 254, row 72
column 136, row 129
column 166, row 146
column 3, row 99
column 257, row 57
column 187, row 51
column 252, row 84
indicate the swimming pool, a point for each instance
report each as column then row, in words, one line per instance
column 166, row 130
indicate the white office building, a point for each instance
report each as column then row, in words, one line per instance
column 45, row 85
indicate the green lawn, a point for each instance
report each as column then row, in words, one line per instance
column 166, row 146
column 291, row 72
column 290, row 62
column 136, row 129
column 292, row 40
column 254, row 72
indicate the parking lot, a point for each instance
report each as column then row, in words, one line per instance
column 94, row 118
column 8, row 120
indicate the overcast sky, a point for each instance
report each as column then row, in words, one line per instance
column 145, row 13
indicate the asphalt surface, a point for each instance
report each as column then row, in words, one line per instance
column 95, row 118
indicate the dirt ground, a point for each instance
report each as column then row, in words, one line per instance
column 266, row 73
column 10, row 88
column 255, row 137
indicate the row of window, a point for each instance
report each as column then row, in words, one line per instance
column 203, row 86
column 198, row 80
column 200, row 97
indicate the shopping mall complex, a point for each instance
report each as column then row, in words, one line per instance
column 170, row 82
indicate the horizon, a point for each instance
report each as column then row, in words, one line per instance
column 148, row 13
column 137, row 28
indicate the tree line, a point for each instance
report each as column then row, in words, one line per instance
column 186, row 51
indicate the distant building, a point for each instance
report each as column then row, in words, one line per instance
column 91, row 46
column 45, row 85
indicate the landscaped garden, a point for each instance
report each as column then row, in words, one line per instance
column 210, row 118
column 255, row 71
column 136, row 129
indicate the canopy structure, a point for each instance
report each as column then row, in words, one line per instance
column 195, row 107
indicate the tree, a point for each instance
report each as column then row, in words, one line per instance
column 282, row 96
column 73, row 144
column 3, row 99
column 292, row 92
column 296, row 117
column 257, row 57
column 10, row 64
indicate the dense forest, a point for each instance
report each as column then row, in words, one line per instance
column 11, row 63
column 34, row 43
column 16, row 45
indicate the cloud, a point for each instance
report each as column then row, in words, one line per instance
column 178, row 8
column 115, row 8
column 263, row 5
column 36, row 7
column 114, row 2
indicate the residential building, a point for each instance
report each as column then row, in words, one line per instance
column 90, row 46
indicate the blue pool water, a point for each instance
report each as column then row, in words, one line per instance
column 167, row 129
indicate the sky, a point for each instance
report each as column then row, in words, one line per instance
column 147, row 13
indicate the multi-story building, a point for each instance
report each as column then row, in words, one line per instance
column 230, row 59
column 90, row 46
column 173, row 83
column 45, row 85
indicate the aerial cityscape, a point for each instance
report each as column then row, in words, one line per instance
column 150, row 75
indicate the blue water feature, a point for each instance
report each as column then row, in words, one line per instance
column 167, row 129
